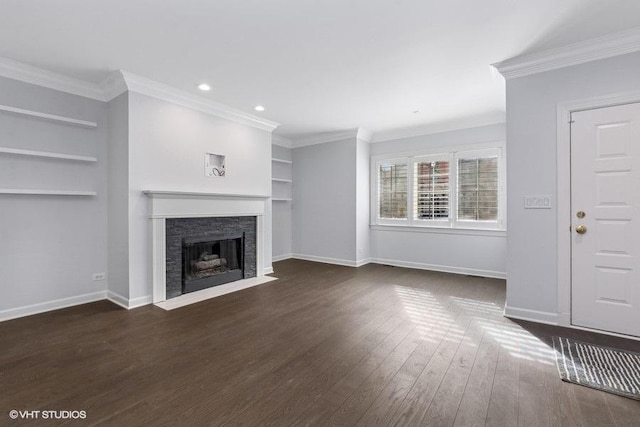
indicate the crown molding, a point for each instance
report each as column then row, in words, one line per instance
column 120, row 81
column 168, row 93
column 321, row 138
column 29, row 74
column 449, row 126
column 364, row 135
column 281, row 141
column 113, row 86
column 577, row 53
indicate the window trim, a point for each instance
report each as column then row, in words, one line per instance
column 452, row 154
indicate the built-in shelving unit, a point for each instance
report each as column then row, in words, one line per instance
column 281, row 180
column 46, row 154
column 23, row 191
column 46, row 116
column 20, row 152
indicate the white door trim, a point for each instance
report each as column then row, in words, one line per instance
column 563, row 197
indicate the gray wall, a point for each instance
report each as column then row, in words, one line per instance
column 324, row 193
column 531, row 142
column 282, row 211
column 118, row 184
column 51, row 245
column 475, row 252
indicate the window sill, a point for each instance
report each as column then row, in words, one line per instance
column 441, row 230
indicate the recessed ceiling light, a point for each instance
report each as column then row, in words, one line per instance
column 203, row 86
column 258, row 108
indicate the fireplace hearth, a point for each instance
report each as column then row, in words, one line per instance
column 212, row 260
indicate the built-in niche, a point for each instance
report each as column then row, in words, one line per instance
column 214, row 165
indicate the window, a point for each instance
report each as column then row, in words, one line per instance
column 431, row 189
column 457, row 189
column 392, row 189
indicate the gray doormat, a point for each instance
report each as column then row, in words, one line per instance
column 603, row 368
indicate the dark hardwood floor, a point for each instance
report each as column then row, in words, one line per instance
column 324, row 345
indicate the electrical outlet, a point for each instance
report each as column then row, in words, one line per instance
column 99, row 276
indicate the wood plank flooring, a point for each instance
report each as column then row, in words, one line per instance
column 323, row 345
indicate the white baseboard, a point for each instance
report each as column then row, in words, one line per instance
column 442, row 268
column 531, row 315
column 129, row 303
column 335, row 261
column 28, row 310
column 267, row 270
column 361, row 262
column 281, row 257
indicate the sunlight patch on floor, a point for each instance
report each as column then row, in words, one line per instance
column 435, row 323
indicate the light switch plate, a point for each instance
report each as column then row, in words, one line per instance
column 537, row 202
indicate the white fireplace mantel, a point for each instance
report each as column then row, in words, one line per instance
column 181, row 204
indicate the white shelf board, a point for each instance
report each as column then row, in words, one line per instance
column 281, row 199
column 46, row 116
column 46, row 192
column 21, row 152
column 289, row 162
column 281, row 180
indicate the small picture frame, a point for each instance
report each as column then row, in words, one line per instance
column 214, row 165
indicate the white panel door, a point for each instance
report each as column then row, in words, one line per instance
column 605, row 223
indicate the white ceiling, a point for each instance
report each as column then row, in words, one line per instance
column 316, row 65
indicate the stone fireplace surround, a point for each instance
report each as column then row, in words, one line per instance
column 180, row 204
column 179, row 228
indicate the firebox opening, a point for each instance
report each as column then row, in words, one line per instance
column 212, row 260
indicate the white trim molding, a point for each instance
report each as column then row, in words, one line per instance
column 120, row 81
column 282, row 257
column 563, row 196
column 577, row 53
column 531, row 315
column 128, row 303
column 281, row 141
column 364, row 135
column 28, row 310
column 168, row 93
column 181, row 204
column 442, row 268
column 434, row 128
column 322, row 138
column 327, row 260
column 29, row 74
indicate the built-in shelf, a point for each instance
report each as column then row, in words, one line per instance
column 280, row 180
column 282, row 161
column 21, row 152
column 46, row 116
column 46, row 192
column 281, row 199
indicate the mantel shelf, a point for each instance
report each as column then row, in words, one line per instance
column 289, row 162
column 46, row 154
column 170, row 193
column 35, row 192
column 46, row 116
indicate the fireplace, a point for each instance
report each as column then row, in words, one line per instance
column 205, row 252
column 211, row 260
column 178, row 215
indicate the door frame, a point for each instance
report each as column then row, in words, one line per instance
column 563, row 194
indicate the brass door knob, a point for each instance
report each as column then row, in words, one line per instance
column 581, row 229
